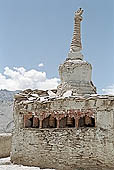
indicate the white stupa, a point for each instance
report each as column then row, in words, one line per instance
column 75, row 73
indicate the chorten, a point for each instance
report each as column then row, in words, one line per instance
column 69, row 130
column 75, row 73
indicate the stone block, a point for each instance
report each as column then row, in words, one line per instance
column 5, row 144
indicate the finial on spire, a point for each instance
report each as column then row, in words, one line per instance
column 76, row 45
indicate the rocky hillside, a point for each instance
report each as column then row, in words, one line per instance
column 6, row 110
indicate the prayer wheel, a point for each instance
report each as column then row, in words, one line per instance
column 88, row 120
column 52, row 121
column 35, row 122
column 69, row 121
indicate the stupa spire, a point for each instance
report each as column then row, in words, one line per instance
column 75, row 73
column 76, row 40
column 76, row 45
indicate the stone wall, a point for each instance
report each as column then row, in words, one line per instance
column 99, row 107
column 5, row 144
column 64, row 149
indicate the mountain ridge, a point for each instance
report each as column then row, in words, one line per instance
column 6, row 110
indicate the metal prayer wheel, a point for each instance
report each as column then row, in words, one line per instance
column 69, row 121
column 52, row 121
column 88, row 120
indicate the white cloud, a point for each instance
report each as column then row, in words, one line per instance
column 20, row 79
column 109, row 90
column 41, row 65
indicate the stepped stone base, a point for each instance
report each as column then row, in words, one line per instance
column 78, row 88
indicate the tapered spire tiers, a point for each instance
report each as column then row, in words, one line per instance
column 76, row 40
column 76, row 45
column 75, row 73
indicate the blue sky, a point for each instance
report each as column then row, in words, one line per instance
column 40, row 31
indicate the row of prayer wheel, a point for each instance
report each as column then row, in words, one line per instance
column 34, row 122
column 69, row 121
